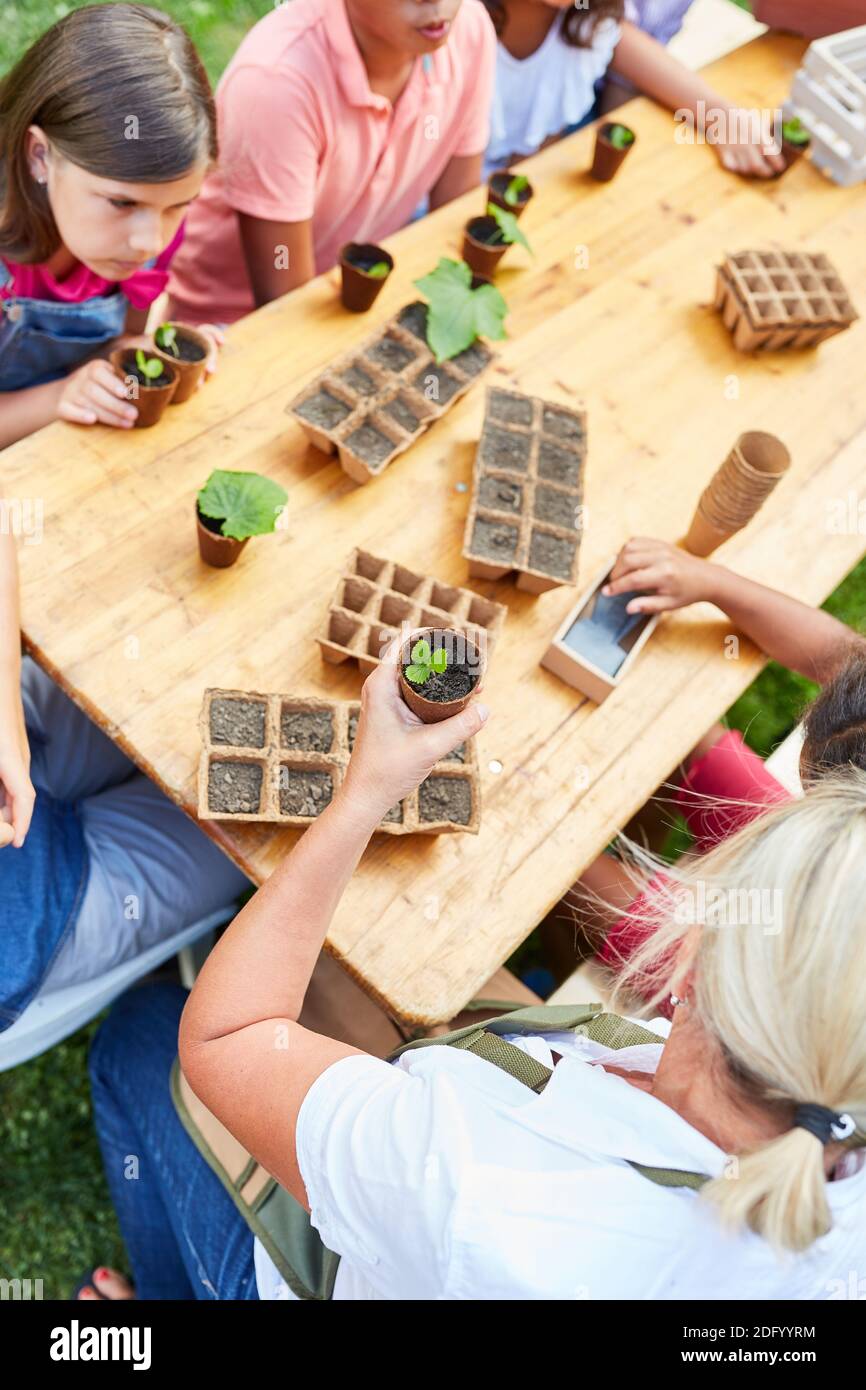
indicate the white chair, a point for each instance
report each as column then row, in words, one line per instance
column 54, row 1015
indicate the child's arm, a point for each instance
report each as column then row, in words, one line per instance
column 461, row 173
column 16, row 790
column 279, row 256
column 647, row 64
column 804, row 639
column 92, row 394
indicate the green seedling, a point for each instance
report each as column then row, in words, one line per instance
column 165, row 337
column 150, row 367
column 514, row 189
column 620, row 137
column 795, row 132
column 509, row 227
column 379, row 270
column 246, row 503
column 457, row 314
column 425, row 662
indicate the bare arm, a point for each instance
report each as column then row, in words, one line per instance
column 279, row 256
column 16, row 791
column 804, row 639
column 460, row 175
column 241, row 1047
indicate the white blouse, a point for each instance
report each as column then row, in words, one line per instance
column 541, row 95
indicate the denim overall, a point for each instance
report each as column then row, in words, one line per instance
column 41, row 340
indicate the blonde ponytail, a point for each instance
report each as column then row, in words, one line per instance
column 779, row 1190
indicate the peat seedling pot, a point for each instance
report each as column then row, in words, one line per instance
column 796, row 140
column 215, row 548
column 189, row 360
column 483, row 246
column 231, row 507
column 446, row 691
column 504, row 185
column 151, row 394
column 365, row 268
column 611, row 148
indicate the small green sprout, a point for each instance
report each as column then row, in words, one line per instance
column 150, row 367
column 509, row 227
column 514, row 189
column 795, row 132
column 379, row 270
column 165, row 337
column 425, row 662
column 620, row 136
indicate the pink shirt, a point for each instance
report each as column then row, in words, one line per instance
column 141, row 288
column 303, row 137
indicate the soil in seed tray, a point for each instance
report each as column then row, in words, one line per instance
column 504, row 449
column 310, row 731
column 561, row 424
column 234, row 788
column 494, row 540
column 472, row 360
column 556, row 507
column 187, row 350
column 323, row 410
column 304, row 793
column 391, row 354
column 395, row 815
column 130, row 369
column 510, row 409
column 238, row 722
column 558, row 465
column 401, row 412
column 499, row 495
column 436, row 385
column 457, row 755
column 551, row 555
column 353, row 730
column 445, row 799
column 451, row 684
column 358, row 380
column 370, row 444
column 414, row 319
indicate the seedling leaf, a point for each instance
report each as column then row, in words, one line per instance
column 150, row 367
column 457, row 314
column 508, row 226
column 246, row 503
column 378, row 271
column 795, row 132
column 620, row 136
column 490, row 311
column 439, row 660
column 421, row 652
column 515, row 188
column 418, row 674
column 165, row 337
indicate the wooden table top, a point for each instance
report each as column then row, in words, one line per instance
column 118, row 608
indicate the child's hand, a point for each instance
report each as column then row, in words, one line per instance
column 16, row 790
column 667, row 576
column 752, row 159
column 394, row 751
column 217, row 340
column 94, row 394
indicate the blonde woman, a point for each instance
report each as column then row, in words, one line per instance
column 445, row 1174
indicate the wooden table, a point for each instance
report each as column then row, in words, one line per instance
column 117, row 607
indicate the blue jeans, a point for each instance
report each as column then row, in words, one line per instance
column 184, row 1235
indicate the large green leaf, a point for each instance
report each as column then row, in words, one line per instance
column 508, row 226
column 246, row 503
column 457, row 314
column 490, row 311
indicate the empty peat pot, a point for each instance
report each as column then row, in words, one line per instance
column 608, row 156
column 150, row 395
column 360, row 288
column 483, row 245
column 193, row 349
column 446, row 694
column 215, row 548
column 496, row 189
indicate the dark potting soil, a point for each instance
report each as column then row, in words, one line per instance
column 486, row 230
column 399, row 410
column 187, row 349
column 457, row 755
column 561, row 424
column 556, row 507
column 365, row 260
column 452, row 684
column 353, row 730
column 395, row 815
column 558, row 465
column 499, row 495
column 494, row 540
column 149, row 383
column 551, row 555
column 310, row 731
column 414, row 319
column 390, row 354
column 506, row 449
column 511, row 410
column 238, row 722
column 212, row 523
column 437, row 385
column 473, row 360
column 445, row 799
column 234, row 788
column 358, row 380
column 370, row 444
column 304, row 793
column 324, row 410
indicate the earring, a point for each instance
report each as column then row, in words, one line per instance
column 675, row 1000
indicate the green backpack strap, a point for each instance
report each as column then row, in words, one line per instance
column 590, row 1020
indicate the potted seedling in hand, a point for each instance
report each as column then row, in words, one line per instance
column 186, row 350
column 231, row 507
column 508, row 191
column 440, row 671
column 486, row 239
column 795, row 142
column 612, row 143
column 458, row 311
column 150, row 383
column 364, row 269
